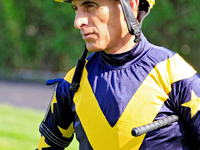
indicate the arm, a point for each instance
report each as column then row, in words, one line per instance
column 57, row 126
column 189, row 109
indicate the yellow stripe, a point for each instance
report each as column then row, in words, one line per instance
column 100, row 134
column 181, row 70
column 69, row 75
column 142, row 108
column 170, row 71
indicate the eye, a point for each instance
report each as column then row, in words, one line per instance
column 89, row 6
column 74, row 8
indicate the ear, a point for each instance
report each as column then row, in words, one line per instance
column 134, row 4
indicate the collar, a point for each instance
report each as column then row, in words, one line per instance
column 123, row 60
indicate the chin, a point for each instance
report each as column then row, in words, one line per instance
column 93, row 48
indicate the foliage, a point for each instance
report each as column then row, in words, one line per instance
column 19, row 128
column 174, row 24
column 39, row 35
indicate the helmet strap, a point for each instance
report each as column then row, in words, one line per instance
column 134, row 26
column 78, row 72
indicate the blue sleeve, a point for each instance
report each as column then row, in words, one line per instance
column 57, row 127
column 190, row 107
column 187, row 104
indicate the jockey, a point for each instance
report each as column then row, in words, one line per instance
column 125, row 83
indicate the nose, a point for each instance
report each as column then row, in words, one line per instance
column 80, row 20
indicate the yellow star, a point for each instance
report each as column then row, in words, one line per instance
column 67, row 133
column 42, row 144
column 194, row 104
column 53, row 101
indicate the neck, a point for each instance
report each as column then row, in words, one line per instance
column 122, row 46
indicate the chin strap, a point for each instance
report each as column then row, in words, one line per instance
column 78, row 72
column 133, row 26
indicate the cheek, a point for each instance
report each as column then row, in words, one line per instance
column 114, row 29
column 116, row 21
column 103, row 30
column 103, row 38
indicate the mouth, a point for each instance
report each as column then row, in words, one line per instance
column 87, row 36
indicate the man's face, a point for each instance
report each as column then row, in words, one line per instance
column 101, row 23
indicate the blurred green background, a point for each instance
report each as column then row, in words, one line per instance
column 19, row 128
column 39, row 35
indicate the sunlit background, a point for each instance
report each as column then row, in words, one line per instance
column 38, row 42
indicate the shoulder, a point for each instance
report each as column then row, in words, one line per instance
column 69, row 75
column 160, row 53
column 90, row 60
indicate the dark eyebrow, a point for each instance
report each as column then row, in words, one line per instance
column 88, row 2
